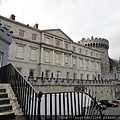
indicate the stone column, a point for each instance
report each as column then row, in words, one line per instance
column 63, row 61
column 42, row 55
column 53, row 56
column 71, row 63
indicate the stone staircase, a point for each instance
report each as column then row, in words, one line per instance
column 9, row 107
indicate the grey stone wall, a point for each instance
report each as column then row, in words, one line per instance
column 98, row 89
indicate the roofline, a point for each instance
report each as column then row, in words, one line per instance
column 57, row 29
column 22, row 24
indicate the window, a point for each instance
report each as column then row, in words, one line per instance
column 81, row 76
column 74, row 48
column 47, row 40
column 87, row 64
column 80, row 50
column 66, row 45
column 91, row 53
column 57, row 58
column 32, row 54
column 31, row 73
column 47, row 56
column 74, row 62
column 58, row 74
column 87, row 76
column 34, row 36
column 20, row 50
column 81, row 63
column 67, row 75
column 47, row 73
column 97, row 66
column 58, row 43
column 74, row 75
column 92, row 65
column 66, row 60
column 21, row 33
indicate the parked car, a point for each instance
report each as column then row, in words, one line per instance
column 115, row 101
column 101, row 106
column 108, row 103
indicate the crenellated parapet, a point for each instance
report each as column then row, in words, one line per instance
column 39, row 81
column 95, row 42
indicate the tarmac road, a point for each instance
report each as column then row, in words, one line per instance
column 112, row 111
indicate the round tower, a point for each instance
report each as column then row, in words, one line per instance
column 102, row 45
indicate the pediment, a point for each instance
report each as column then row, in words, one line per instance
column 58, row 33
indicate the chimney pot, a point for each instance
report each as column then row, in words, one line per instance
column 36, row 26
column 12, row 17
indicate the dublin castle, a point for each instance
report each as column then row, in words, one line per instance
column 54, row 53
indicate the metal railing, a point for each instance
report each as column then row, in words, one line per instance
column 52, row 106
column 79, row 105
column 28, row 98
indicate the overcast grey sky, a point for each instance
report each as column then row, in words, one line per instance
column 77, row 18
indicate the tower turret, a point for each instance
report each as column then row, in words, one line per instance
column 102, row 45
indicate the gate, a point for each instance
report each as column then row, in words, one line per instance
column 79, row 105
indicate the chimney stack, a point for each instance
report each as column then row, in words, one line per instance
column 36, row 26
column 12, row 17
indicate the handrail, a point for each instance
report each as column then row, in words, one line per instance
column 28, row 98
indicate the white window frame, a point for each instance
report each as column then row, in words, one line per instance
column 74, row 48
column 20, row 54
column 92, row 65
column 66, row 60
column 47, row 56
column 47, row 40
column 66, row 45
column 33, row 56
column 34, row 36
column 21, row 33
column 57, row 58
column 74, row 62
column 58, row 43
column 81, row 63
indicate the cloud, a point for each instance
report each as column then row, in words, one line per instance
column 77, row 18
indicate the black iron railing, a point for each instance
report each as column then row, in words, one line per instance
column 52, row 106
column 70, row 106
column 28, row 98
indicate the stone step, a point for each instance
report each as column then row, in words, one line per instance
column 4, row 101
column 9, row 115
column 2, row 90
column 3, row 95
column 6, row 107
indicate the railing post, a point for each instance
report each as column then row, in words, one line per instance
column 39, row 100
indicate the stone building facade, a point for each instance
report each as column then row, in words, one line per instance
column 52, row 54
column 50, row 51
